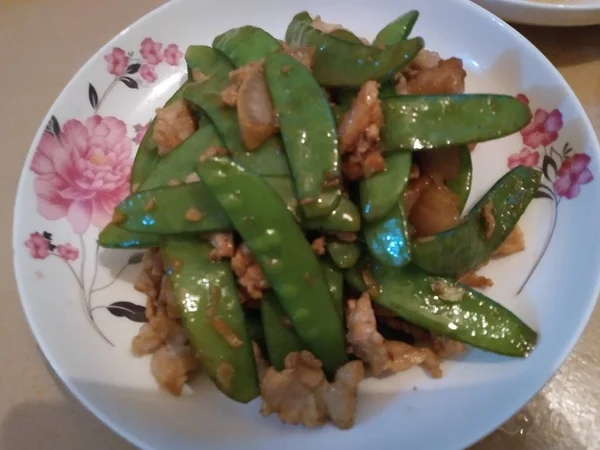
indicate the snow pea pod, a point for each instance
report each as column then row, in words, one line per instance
column 181, row 162
column 308, row 131
column 246, row 44
column 415, row 122
column 113, row 236
column 268, row 159
column 183, row 209
column 202, row 58
column 147, row 157
column 467, row 315
column 212, row 314
column 398, row 30
column 343, row 254
column 280, row 337
column 381, row 192
column 346, row 35
column 283, row 253
column 335, row 282
column 174, row 210
column 387, row 238
column 339, row 63
column 461, row 184
column 462, row 249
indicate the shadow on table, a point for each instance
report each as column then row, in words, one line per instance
column 565, row 46
column 57, row 425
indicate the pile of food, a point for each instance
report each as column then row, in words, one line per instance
column 302, row 206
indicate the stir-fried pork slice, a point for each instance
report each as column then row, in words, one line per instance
column 514, row 243
column 173, row 125
column 223, row 245
column 248, row 272
column 447, row 77
column 171, row 365
column 474, row 280
column 300, row 394
column 229, row 95
column 318, row 246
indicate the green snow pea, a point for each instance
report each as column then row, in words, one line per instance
column 346, row 35
column 398, row 30
column 246, row 44
column 341, row 63
column 387, row 238
column 335, row 281
column 415, row 122
column 208, row 61
column 112, row 236
column 280, row 337
column 466, row 315
column 462, row 249
column 309, row 134
column 345, row 217
column 212, row 314
column 204, row 58
column 147, row 157
column 381, row 192
column 181, row 209
column 285, row 256
column 343, row 254
column 461, row 184
column 268, row 159
column 177, row 166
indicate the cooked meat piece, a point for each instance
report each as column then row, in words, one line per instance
column 447, row 77
column 401, row 84
column 248, row 272
column 229, row 95
column 473, row 280
column 213, row 151
column 340, row 397
column 436, row 210
column 173, row 125
column 403, row 356
column 223, row 245
column 171, row 365
column 488, row 221
column 446, row 291
column 318, row 246
column 514, row 243
column 166, row 299
column 440, row 164
column 425, row 59
column 365, row 111
column 159, row 330
column 364, row 339
column 445, row 347
column 359, row 134
column 300, row 394
column 303, row 54
column 413, row 192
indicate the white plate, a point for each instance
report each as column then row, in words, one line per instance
column 556, row 13
column 97, row 118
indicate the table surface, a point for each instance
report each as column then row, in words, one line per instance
column 35, row 410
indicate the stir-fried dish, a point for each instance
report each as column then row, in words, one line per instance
column 302, row 206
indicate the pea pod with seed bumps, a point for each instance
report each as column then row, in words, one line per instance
column 280, row 248
column 246, row 44
column 462, row 249
column 340, row 63
column 398, row 30
column 212, row 314
column 309, row 134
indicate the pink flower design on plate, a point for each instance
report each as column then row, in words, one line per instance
column 67, row 252
column 148, row 73
column 38, row 245
column 151, row 51
column 140, row 131
column 82, row 174
column 572, row 174
column 117, row 62
column 172, row 55
column 523, row 99
column 525, row 157
column 543, row 128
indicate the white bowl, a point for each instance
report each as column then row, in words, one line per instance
column 88, row 344
column 556, row 13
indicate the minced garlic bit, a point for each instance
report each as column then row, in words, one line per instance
column 447, row 291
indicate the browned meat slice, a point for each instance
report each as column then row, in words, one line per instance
column 318, row 246
column 171, row 365
column 447, row 77
column 173, row 125
column 223, row 245
column 475, row 281
column 514, row 243
column 248, row 272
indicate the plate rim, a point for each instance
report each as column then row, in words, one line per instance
column 113, row 425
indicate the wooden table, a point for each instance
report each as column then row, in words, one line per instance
column 42, row 44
